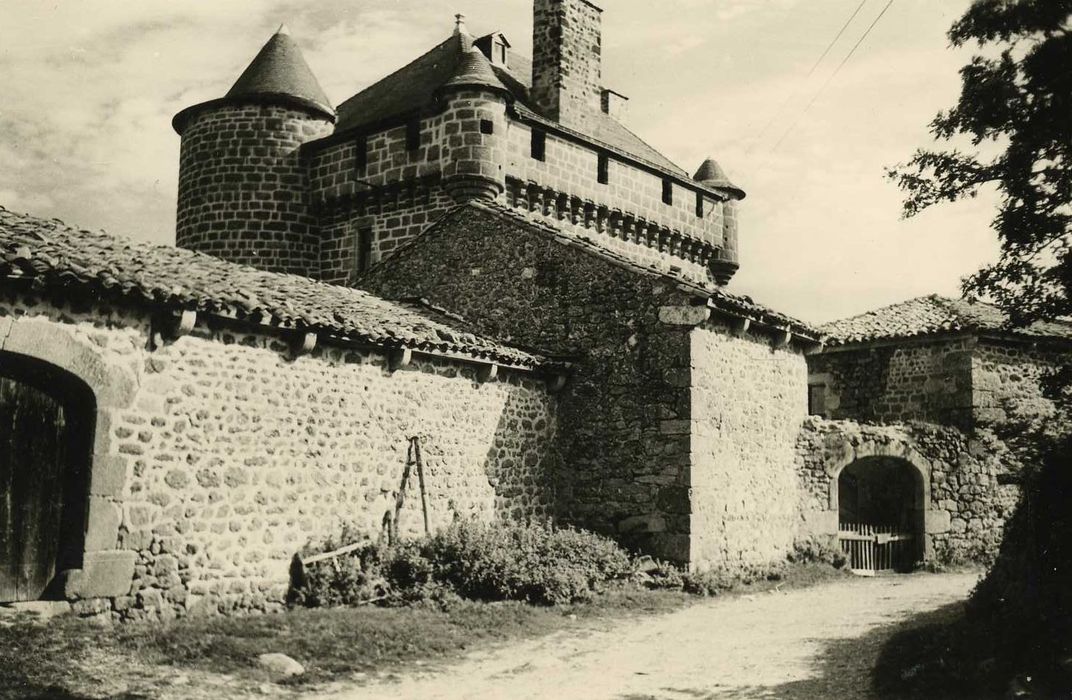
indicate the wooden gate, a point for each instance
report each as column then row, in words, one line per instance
column 874, row 548
column 33, row 459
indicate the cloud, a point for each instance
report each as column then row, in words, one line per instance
column 90, row 88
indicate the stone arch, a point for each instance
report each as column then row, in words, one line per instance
column 897, row 449
column 105, row 571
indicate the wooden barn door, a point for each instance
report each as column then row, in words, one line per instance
column 33, row 460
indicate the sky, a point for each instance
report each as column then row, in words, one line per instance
column 89, row 88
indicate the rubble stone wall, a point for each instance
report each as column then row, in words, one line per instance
column 925, row 381
column 748, row 403
column 966, row 502
column 232, row 455
column 1006, row 381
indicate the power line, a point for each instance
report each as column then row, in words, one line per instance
column 830, row 79
column 789, row 98
column 837, row 36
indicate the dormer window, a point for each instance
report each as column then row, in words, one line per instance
column 495, row 48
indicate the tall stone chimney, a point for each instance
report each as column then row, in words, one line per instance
column 566, row 65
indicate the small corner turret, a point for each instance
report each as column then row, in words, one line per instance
column 711, row 175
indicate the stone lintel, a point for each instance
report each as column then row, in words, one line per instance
column 684, row 315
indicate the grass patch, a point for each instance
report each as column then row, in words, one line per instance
column 72, row 658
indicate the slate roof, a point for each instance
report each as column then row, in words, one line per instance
column 278, row 72
column 736, row 305
column 411, row 87
column 934, row 314
column 52, row 256
column 711, row 174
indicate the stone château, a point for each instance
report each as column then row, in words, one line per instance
column 477, row 254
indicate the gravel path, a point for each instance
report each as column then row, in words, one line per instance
column 813, row 643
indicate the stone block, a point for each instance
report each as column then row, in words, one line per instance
column 102, row 530
column 820, row 522
column 109, row 475
column 651, row 522
column 684, row 315
column 103, row 575
column 936, row 521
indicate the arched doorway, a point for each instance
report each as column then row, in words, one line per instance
column 46, row 439
column 880, row 503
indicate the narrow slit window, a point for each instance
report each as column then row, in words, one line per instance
column 668, row 192
column 539, row 144
column 364, row 248
column 361, row 155
column 699, row 205
column 413, row 135
column 817, row 400
column 487, row 126
column 603, row 169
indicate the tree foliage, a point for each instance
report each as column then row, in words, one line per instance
column 1015, row 110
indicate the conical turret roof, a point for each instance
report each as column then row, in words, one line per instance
column 712, row 175
column 278, row 74
column 474, row 69
column 280, row 69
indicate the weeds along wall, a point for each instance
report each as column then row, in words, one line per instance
column 230, row 456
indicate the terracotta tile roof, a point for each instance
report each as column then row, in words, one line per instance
column 933, row 314
column 412, row 87
column 736, row 305
column 52, row 256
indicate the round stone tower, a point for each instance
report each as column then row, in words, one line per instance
column 243, row 190
column 711, row 175
column 475, row 149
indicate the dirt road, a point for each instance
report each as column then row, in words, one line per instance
column 813, row 643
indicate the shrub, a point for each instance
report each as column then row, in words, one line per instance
column 537, row 563
column 817, row 550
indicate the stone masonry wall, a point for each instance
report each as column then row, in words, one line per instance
column 627, row 414
column 236, row 456
column 399, row 191
column 967, row 503
column 566, row 58
column 927, row 381
column 571, row 168
column 1006, row 378
column 625, row 459
column 243, row 190
column 748, row 403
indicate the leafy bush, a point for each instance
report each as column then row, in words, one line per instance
column 537, row 563
column 817, row 550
